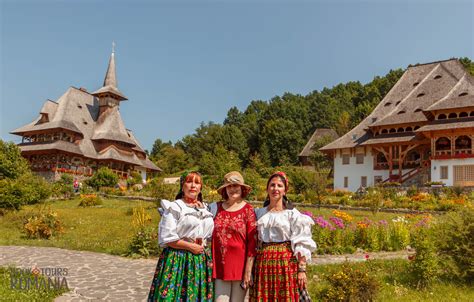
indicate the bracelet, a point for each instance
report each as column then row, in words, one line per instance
column 301, row 270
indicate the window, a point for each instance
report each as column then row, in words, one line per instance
column 363, row 181
column 345, row 159
column 346, row 182
column 444, row 172
column 377, row 179
column 359, row 159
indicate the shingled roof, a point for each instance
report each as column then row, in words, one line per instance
column 419, row 88
column 318, row 133
column 78, row 111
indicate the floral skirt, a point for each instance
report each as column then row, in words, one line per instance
column 275, row 274
column 182, row 276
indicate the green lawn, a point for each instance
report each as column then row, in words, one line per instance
column 394, row 284
column 7, row 293
column 106, row 228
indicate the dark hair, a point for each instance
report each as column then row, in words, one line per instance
column 244, row 193
column 186, row 178
column 286, row 202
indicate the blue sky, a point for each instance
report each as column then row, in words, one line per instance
column 184, row 62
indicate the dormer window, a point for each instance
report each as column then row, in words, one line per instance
column 374, row 119
column 438, row 77
column 388, row 104
column 420, row 95
column 79, row 106
column 401, row 112
column 354, row 136
column 398, row 103
column 416, row 84
column 463, row 94
column 417, row 109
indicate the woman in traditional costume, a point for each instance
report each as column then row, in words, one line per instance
column 234, row 240
column 285, row 246
column 184, row 270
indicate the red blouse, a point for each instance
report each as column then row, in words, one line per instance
column 233, row 240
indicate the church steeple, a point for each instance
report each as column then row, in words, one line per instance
column 109, row 95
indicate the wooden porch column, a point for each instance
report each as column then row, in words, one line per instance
column 400, row 163
column 453, row 142
column 390, row 162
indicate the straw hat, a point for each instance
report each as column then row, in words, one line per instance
column 234, row 178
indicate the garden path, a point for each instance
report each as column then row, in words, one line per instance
column 102, row 277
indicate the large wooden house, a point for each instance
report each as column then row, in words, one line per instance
column 83, row 131
column 422, row 130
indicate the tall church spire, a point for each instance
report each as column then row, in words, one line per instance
column 110, row 81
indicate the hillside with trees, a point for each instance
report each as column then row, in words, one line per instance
column 272, row 133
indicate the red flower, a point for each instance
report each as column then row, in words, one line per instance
column 411, row 257
column 367, row 256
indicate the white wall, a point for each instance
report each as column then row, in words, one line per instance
column 142, row 172
column 436, row 170
column 353, row 171
column 356, row 171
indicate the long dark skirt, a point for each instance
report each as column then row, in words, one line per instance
column 182, row 276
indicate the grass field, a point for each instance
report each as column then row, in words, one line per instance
column 106, row 228
column 394, row 283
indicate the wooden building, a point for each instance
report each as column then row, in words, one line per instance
column 305, row 155
column 422, row 130
column 83, row 131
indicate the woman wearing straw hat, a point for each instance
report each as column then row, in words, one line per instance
column 184, row 270
column 233, row 240
column 285, row 245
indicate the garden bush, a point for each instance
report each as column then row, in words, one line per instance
column 425, row 267
column 157, row 189
column 144, row 241
column 350, row 284
column 104, row 177
column 26, row 189
column 42, row 224
column 89, row 200
column 454, row 239
column 63, row 188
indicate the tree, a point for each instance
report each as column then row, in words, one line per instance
column 104, row 177
column 172, row 160
column 319, row 159
column 156, row 150
column 217, row 163
column 283, row 140
column 343, row 124
column 12, row 164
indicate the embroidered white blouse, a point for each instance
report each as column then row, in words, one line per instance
column 287, row 225
column 179, row 221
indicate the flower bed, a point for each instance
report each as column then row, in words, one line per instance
column 341, row 233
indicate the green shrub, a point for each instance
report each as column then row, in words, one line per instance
column 454, row 238
column 425, row 267
column 135, row 178
column 43, row 224
column 144, row 244
column 159, row 190
column 89, row 200
column 104, row 177
column 26, row 189
column 63, row 188
column 350, row 284
column 12, row 164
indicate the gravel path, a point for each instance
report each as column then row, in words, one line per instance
column 102, row 277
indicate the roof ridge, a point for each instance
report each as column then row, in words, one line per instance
column 434, row 62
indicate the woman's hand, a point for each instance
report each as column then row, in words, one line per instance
column 196, row 249
column 302, row 282
column 247, row 281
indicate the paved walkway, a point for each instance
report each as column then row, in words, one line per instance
column 101, row 277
